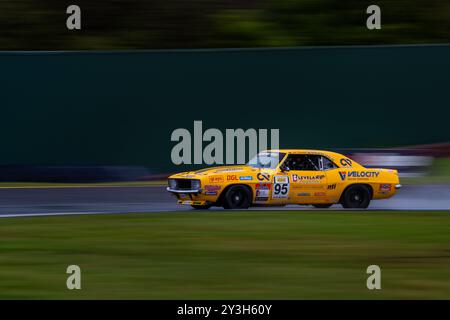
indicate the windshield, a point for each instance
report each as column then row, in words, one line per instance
column 266, row 160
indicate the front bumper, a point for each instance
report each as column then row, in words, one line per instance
column 193, row 203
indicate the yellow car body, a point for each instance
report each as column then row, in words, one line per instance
column 281, row 177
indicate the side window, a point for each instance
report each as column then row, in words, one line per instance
column 302, row 162
column 327, row 164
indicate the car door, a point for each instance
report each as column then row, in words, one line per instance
column 334, row 176
column 306, row 180
column 307, row 186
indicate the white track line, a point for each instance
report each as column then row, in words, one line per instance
column 49, row 214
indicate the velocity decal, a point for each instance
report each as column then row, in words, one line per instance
column 363, row 174
column 343, row 174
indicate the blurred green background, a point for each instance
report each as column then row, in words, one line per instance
column 156, row 24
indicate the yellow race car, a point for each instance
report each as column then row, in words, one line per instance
column 281, row 177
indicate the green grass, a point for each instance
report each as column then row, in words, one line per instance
column 228, row 255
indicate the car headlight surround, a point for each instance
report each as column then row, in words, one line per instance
column 172, row 183
column 195, row 184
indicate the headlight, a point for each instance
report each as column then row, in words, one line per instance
column 172, row 183
column 195, row 184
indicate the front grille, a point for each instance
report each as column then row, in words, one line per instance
column 184, row 184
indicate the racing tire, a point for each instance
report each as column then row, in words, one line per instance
column 356, row 196
column 237, row 197
column 322, row 205
column 198, row 207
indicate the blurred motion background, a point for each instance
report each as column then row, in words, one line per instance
column 97, row 117
column 169, row 24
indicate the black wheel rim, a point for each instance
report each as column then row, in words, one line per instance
column 356, row 197
column 237, row 198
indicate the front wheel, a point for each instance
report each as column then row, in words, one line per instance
column 356, row 196
column 237, row 197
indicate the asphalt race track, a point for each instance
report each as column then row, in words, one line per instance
column 16, row 202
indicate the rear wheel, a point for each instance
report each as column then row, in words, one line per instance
column 237, row 197
column 356, row 196
column 322, row 205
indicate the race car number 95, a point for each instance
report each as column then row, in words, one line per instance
column 280, row 187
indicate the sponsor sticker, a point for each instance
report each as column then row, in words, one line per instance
column 303, row 194
column 345, row 162
column 212, row 188
column 331, row 186
column 247, row 178
column 211, row 193
column 385, row 187
column 281, row 179
column 363, row 174
column 320, row 194
column 216, row 179
column 307, row 179
column 263, row 176
column 262, row 191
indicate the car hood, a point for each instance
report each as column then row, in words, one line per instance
column 215, row 170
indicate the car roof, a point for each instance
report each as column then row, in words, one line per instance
column 330, row 154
